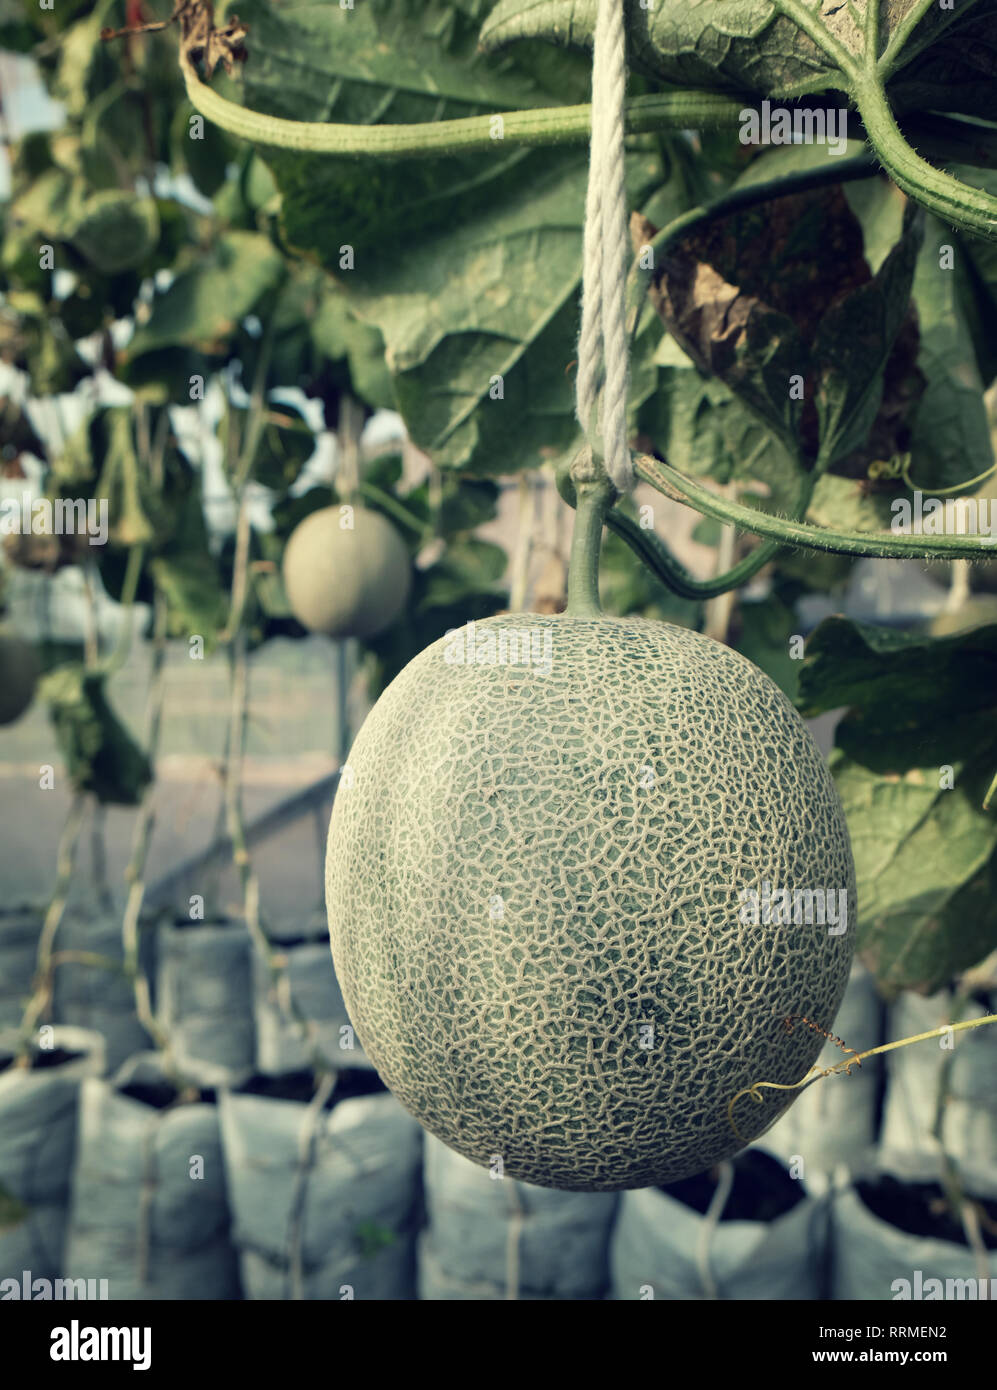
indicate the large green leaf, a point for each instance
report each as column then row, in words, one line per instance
column 465, row 271
column 284, row 445
column 949, row 433
column 748, row 45
column 385, row 61
column 921, row 713
column 704, row 430
column 101, row 755
column 204, row 304
column 480, row 329
column 854, row 342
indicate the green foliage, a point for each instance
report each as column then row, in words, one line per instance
column 916, row 751
column 100, row 754
column 447, row 288
column 752, row 46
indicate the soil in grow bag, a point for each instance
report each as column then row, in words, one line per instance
column 770, row 1241
column 300, row 1086
column 895, row 1239
column 42, row 1059
column 762, row 1189
column 922, row 1209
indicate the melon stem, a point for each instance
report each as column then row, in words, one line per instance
column 594, row 495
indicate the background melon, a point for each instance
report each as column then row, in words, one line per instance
column 346, row 582
column 527, row 866
column 19, row 671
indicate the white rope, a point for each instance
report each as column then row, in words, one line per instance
column 602, row 343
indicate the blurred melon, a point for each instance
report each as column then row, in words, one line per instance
column 346, row 581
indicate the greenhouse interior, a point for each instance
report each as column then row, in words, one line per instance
column 498, row 654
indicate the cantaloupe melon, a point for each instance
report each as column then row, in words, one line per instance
column 19, row 670
column 346, row 581
column 534, row 885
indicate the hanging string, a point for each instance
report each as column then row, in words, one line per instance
column 602, row 345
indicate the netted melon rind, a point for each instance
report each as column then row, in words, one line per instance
column 346, row 581
column 509, row 900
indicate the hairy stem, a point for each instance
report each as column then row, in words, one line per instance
column 674, row 484
column 654, row 552
column 957, row 203
column 555, row 125
column 817, row 1073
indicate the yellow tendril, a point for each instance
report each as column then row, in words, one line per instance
column 816, row 1073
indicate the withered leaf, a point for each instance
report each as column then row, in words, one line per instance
column 752, row 304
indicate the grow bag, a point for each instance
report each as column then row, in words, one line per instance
column 770, row 1240
column 94, row 996
column 38, row 1116
column 19, row 932
column 312, row 984
column 970, row 1126
column 325, row 1203
column 204, row 1000
column 491, row 1238
column 873, row 1257
column 149, row 1211
column 833, row 1122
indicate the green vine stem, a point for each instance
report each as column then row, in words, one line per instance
column 236, row 638
column 649, row 547
column 951, row 1179
column 594, row 494
column 957, row 203
column 655, row 553
column 817, row 1073
column 393, row 508
column 142, row 835
column 554, row 125
column 45, row 964
column 673, row 484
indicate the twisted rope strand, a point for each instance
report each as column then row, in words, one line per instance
column 602, row 345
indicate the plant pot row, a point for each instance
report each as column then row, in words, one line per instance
column 257, row 1193
column 212, row 992
column 170, row 1194
column 207, row 1194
